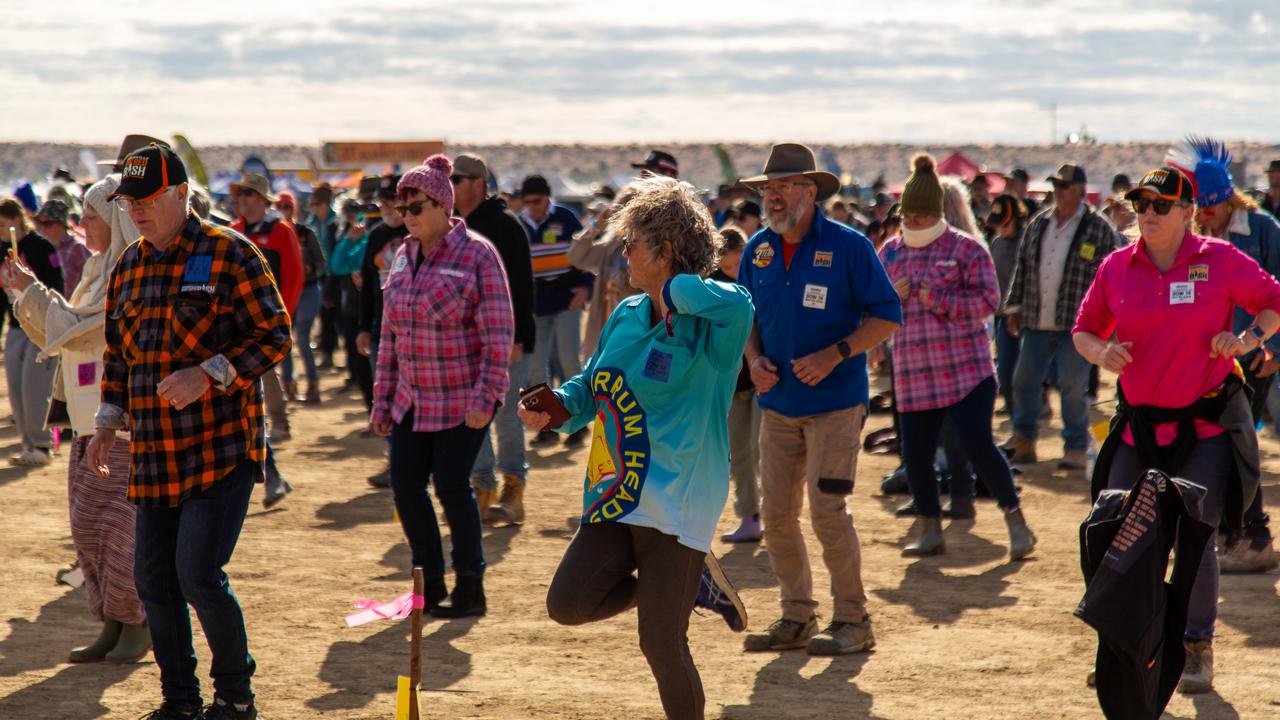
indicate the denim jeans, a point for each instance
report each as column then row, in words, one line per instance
column 971, row 420
column 511, row 458
column 304, row 317
column 178, row 560
column 1039, row 348
column 562, row 334
column 445, row 458
column 30, row 388
column 1210, row 465
column 1006, row 360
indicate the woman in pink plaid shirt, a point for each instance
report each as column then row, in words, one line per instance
column 942, row 356
column 447, row 332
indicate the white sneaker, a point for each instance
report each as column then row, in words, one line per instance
column 32, row 458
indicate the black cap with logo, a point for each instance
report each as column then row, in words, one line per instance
column 148, row 172
column 1167, row 182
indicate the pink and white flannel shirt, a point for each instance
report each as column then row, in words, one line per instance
column 447, row 332
column 942, row 351
column 1171, row 318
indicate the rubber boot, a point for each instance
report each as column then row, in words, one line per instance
column 485, row 500
column 134, row 644
column 930, row 541
column 510, row 507
column 1021, row 540
column 466, row 600
column 97, row 651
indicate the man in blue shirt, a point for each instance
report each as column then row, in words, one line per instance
column 560, row 291
column 822, row 300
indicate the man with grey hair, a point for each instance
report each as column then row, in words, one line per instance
column 193, row 321
column 822, row 299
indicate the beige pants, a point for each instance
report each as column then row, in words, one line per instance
column 817, row 454
column 273, row 394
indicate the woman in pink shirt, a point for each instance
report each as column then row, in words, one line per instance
column 942, row 357
column 1159, row 315
column 447, row 329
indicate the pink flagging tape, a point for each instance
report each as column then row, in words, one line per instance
column 398, row 608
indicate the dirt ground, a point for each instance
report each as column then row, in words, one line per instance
column 965, row 635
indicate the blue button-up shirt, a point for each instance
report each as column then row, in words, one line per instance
column 835, row 280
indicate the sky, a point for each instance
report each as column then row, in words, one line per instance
column 596, row 71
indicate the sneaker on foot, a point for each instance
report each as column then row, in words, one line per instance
column 783, row 634
column 1197, row 674
column 276, row 488
column 223, row 710
column 1073, row 460
column 32, row 458
column 843, row 638
column 169, row 712
column 716, row 593
column 1243, row 557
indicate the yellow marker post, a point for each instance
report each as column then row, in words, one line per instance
column 403, row 693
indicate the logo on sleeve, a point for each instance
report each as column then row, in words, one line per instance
column 1198, row 273
column 763, row 255
column 619, row 459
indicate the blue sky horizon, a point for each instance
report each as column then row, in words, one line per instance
column 571, row 71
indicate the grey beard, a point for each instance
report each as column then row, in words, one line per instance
column 788, row 222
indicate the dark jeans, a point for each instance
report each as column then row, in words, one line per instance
column 1211, row 466
column 330, row 320
column 1257, row 524
column 357, row 365
column 444, row 457
column 971, row 419
column 1006, row 360
column 595, row 581
column 178, row 560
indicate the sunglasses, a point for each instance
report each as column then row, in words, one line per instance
column 455, row 179
column 415, row 208
column 1160, row 205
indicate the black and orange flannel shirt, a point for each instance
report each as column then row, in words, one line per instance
column 209, row 301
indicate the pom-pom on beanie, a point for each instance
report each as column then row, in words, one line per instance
column 922, row 194
column 432, row 178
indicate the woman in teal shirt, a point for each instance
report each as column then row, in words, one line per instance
column 659, row 387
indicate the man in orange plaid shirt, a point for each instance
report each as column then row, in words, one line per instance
column 194, row 319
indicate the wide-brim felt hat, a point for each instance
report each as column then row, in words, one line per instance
column 257, row 183
column 128, row 146
column 792, row 159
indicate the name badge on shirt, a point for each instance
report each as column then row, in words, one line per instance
column 195, row 276
column 1182, row 293
column 1198, row 273
column 822, row 259
column 815, row 296
column 401, row 263
column 658, row 365
column 550, row 236
column 1087, row 251
column 453, row 273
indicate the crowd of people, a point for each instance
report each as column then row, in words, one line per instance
column 158, row 332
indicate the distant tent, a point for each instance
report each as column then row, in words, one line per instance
column 960, row 166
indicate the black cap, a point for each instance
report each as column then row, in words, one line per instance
column 1004, row 208
column 535, row 185
column 1068, row 174
column 747, row 207
column 883, row 199
column 1018, row 174
column 1167, row 182
column 387, row 187
column 147, row 172
column 1274, row 166
column 980, row 179
column 659, row 161
column 1122, row 180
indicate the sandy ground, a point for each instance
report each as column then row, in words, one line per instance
column 965, row 635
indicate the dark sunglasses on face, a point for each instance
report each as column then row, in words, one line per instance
column 455, row 179
column 1160, row 205
column 415, row 208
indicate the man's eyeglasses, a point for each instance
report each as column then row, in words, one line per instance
column 1160, row 205
column 415, row 208
column 129, row 204
column 782, row 188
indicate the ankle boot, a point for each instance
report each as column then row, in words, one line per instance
column 1021, row 540
column 433, row 591
column 930, row 541
column 134, row 644
column 97, row 651
column 960, row 508
column 485, row 500
column 510, row 507
column 466, row 600
column 290, row 389
column 313, row 394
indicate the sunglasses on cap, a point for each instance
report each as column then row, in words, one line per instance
column 1162, row 206
column 415, row 208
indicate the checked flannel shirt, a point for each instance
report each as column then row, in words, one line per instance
column 1095, row 238
column 447, row 331
column 208, row 301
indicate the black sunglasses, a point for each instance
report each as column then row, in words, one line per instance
column 415, row 208
column 455, row 179
column 1160, row 205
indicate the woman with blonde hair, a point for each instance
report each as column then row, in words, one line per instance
column 102, row 517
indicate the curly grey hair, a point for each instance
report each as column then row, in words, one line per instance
column 664, row 210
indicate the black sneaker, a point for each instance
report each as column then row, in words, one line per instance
column 169, row 712
column 545, row 438
column 222, row 710
column 716, row 593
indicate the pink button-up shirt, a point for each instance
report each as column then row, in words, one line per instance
column 447, row 331
column 1171, row 318
column 942, row 351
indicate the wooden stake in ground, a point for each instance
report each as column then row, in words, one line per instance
column 415, row 645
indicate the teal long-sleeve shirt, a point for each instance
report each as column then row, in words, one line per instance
column 347, row 256
column 660, row 395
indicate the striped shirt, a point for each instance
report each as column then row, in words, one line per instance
column 447, row 331
column 549, row 241
column 208, row 301
column 942, row 351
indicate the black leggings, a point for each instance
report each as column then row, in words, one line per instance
column 357, row 365
column 595, row 582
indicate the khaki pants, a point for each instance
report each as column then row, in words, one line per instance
column 744, row 451
column 273, row 395
column 817, row 454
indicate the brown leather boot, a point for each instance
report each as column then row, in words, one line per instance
column 1024, row 451
column 510, row 507
column 485, row 500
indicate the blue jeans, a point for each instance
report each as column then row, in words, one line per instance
column 1006, row 360
column 511, row 459
column 178, row 559
column 971, row 421
column 1211, row 465
column 303, row 318
column 1039, row 348
column 445, row 458
column 562, row 334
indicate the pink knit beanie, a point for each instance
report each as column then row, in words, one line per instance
column 432, row 178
